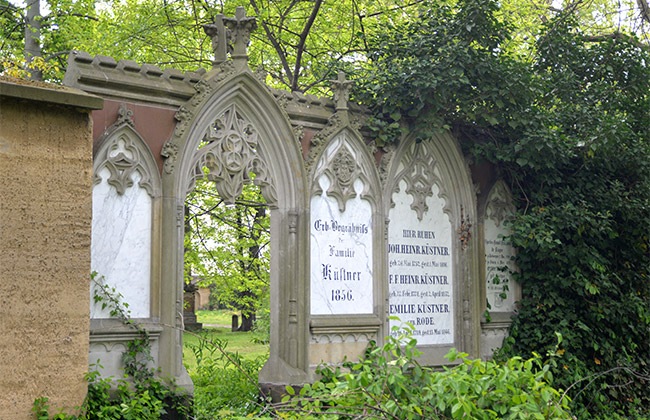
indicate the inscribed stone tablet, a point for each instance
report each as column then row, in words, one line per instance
column 341, row 255
column 498, row 265
column 420, row 268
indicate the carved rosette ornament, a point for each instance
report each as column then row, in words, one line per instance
column 318, row 142
column 419, row 175
column 389, row 153
column 203, row 90
column 182, row 116
column 499, row 206
column 230, row 154
column 298, row 133
column 124, row 116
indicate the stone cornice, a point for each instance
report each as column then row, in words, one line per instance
column 46, row 92
column 127, row 80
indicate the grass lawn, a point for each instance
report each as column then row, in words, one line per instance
column 220, row 317
column 237, row 342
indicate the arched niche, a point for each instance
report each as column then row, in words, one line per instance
column 432, row 258
column 125, row 244
column 346, row 248
column 500, row 292
column 233, row 126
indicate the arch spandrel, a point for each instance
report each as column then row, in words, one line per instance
column 429, row 185
column 235, row 103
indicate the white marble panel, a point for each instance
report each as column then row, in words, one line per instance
column 341, row 255
column 121, row 244
column 500, row 287
column 421, row 283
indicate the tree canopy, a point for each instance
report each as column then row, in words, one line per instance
column 301, row 44
column 227, row 248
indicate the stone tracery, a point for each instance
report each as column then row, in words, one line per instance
column 230, row 155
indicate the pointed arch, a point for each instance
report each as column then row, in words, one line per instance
column 429, row 184
column 125, row 242
column 499, row 290
column 346, row 240
column 233, row 126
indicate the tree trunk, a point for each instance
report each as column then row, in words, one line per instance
column 247, row 321
column 33, row 37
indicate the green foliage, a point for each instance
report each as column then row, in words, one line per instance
column 584, row 177
column 121, row 399
column 390, row 384
column 446, row 66
column 227, row 246
column 225, row 383
column 567, row 125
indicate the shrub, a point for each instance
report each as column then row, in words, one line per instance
column 225, row 384
column 390, row 384
column 121, row 399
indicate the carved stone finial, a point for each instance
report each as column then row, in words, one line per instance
column 241, row 27
column 124, row 116
column 220, row 37
column 341, row 88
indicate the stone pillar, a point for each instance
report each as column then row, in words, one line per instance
column 45, row 224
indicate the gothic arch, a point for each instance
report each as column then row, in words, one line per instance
column 496, row 255
column 436, row 166
column 126, row 236
column 234, row 103
column 345, row 182
column 343, row 158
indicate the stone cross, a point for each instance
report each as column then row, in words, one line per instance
column 220, row 39
column 241, row 27
column 341, row 89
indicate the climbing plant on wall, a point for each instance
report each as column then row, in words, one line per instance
column 567, row 124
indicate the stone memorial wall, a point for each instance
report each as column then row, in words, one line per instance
column 359, row 234
column 45, row 225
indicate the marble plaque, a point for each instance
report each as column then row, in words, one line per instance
column 121, row 244
column 420, row 272
column 341, row 254
column 498, row 265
